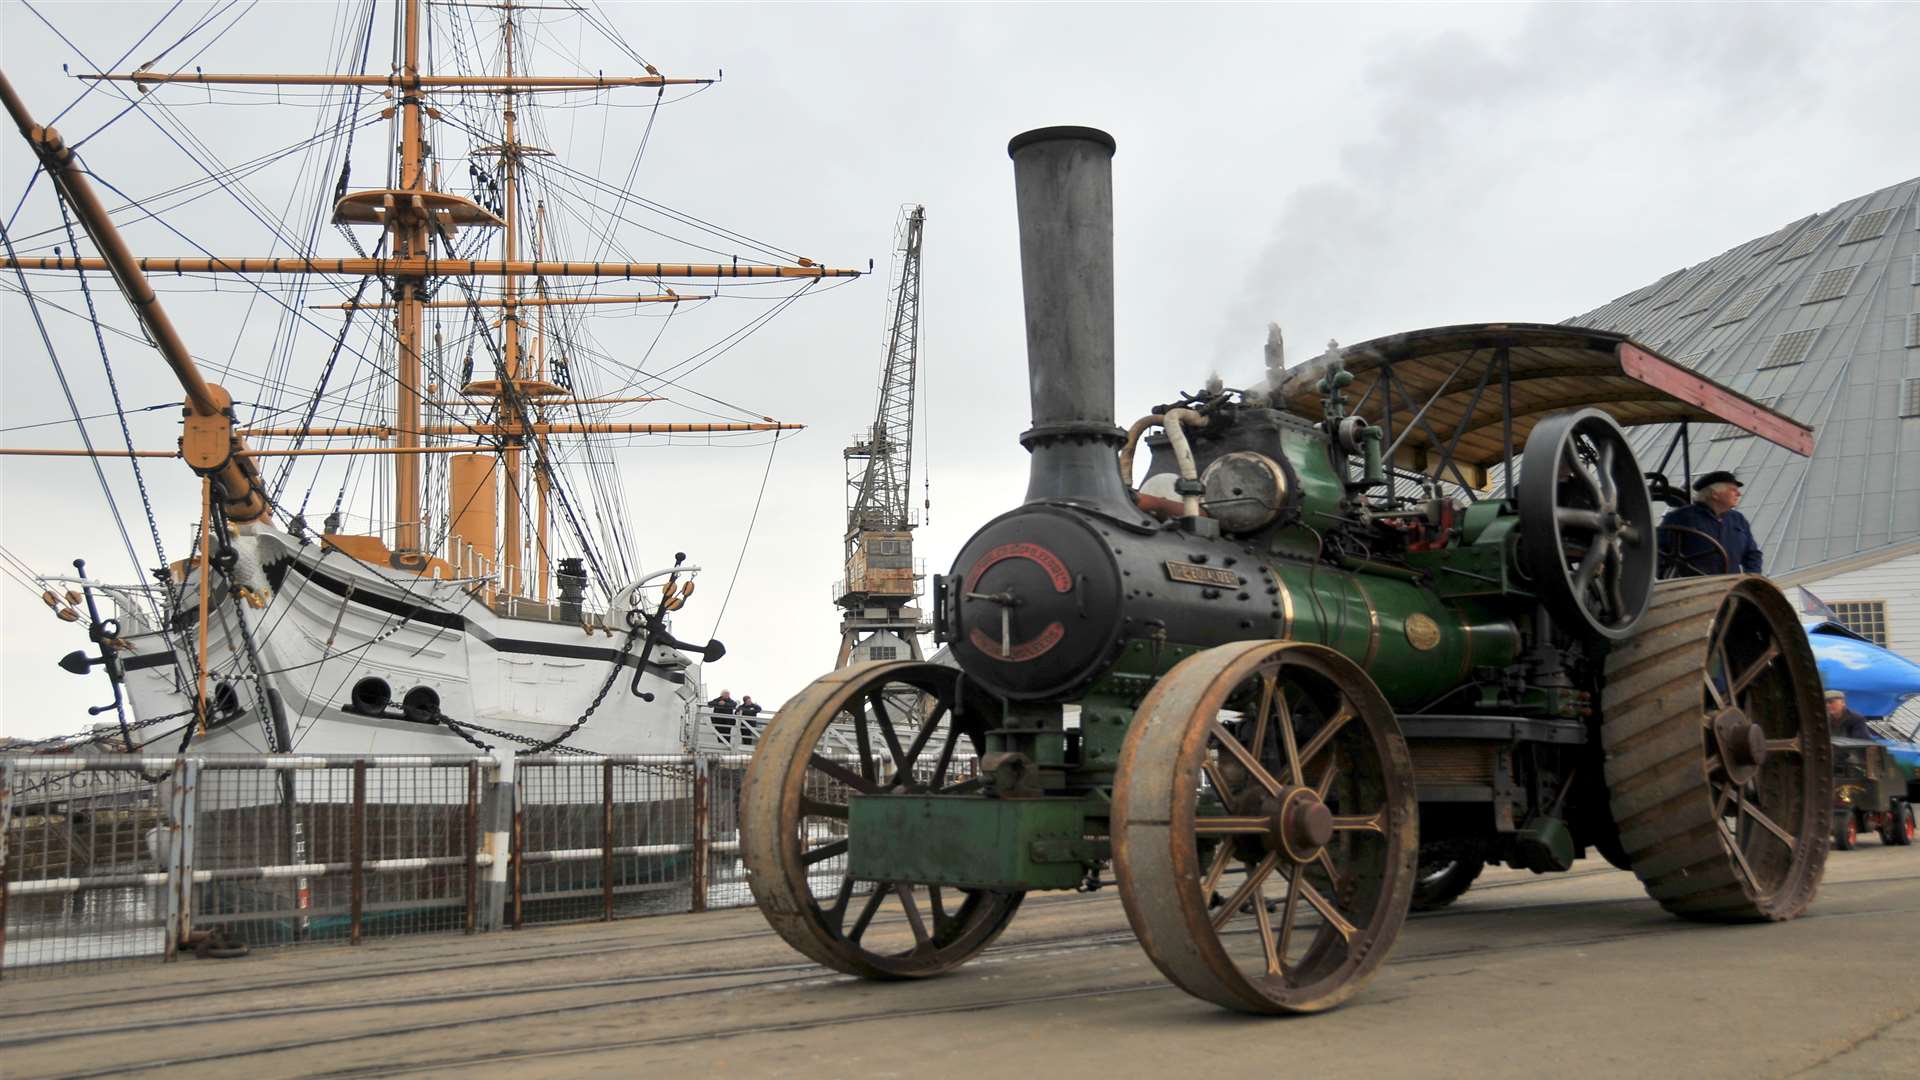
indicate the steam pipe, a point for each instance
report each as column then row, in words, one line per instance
column 1063, row 188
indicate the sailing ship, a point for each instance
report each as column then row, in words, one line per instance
column 494, row 600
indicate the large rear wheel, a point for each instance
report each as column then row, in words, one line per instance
column 1264, row 827
column 869, row 728
column 1719, row 769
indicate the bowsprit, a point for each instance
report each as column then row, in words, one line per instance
column 1334, row 651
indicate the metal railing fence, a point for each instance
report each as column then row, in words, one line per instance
column 116, row 858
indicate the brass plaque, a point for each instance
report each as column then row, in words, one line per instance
column 1202, row 575
column 1422, row 632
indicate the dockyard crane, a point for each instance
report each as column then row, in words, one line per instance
column 880, row 620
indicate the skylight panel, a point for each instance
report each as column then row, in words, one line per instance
column 1743, row 305
column 1913, row 330
column 1683, row 285
column 1780, row 236
column 1808, row 241
column 1790, row 348
column 1868, row 226
column 1692, row 361
column 1830, row 284
column 1910, row 401
column 1708, row 297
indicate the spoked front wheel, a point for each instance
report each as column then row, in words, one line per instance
column 875, row 728
column 1265, row 828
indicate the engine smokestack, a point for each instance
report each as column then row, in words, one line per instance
column 1063, row 188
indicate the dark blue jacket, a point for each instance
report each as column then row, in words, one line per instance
column 1696, row 556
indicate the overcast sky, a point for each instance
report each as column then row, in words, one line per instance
column 1345, row 171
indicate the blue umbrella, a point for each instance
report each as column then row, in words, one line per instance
column 1876, row 680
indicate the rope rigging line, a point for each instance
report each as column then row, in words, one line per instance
column 748, row 539
column 113, row 388
column 53, row 355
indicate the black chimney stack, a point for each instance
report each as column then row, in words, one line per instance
column 572, row 577
column 1063, row 187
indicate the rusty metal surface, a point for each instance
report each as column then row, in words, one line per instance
column 1344, row 838
column 1720, row 766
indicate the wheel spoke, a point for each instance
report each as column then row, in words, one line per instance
column 864, row 743
column 1608, row 491
column 1761, row 819
column 1248, row 888
column 841, row 773
column 1713, row 690
column 1580, row 470
column 1263, row 717
column 1615, row 570
column 867, row 910
column 1287, row 912
column 1232, row 746
column 815, row 808
column 1571, row 517
column 1335, row 879
column 921, row 738
column 1372, row 823
column 1266, row 936
column 824, row 852
column 1325, row 908
column 1767, row 657
column 1326, row 780
column 1222, row 858
column 1732, row 843
column 1232, row 826
column 837, row 914
column 1296, row 766
column 945, row 759
column 1325, row 735
column 920, row 936
column 937, row 905
column 1589, row 567
column 892, row 737
column 1212, row 769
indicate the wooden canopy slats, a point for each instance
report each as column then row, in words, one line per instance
column 1552, row 368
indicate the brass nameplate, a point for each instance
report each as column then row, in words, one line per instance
column 1202, row 575
column 1422, row 632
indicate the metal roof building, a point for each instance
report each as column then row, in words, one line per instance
column 1820, row 319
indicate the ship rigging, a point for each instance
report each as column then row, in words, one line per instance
column 497, row 579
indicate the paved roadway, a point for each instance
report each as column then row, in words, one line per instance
column 1567, row 975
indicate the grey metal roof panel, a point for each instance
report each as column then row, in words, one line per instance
column 1839, row 289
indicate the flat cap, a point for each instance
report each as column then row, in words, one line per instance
column 1836, row 695
column 1718, row 476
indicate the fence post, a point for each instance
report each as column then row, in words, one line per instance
column 6, row 820
column 470, row 840
column 702, row 833
column 496, row 830
column 357, row 851
column 606, row 840
column 180, row 866
column 519, row 848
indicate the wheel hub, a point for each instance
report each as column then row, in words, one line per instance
column 1743, row 744
column 1299, row 824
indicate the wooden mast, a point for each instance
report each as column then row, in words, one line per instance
column 410, row 239
column 509, row 386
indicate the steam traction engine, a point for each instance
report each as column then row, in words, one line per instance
column 1314, row 653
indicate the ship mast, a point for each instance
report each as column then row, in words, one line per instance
column 413, row 214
